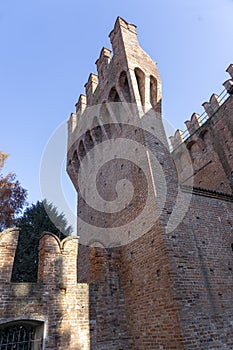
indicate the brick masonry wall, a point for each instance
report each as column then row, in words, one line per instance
column 211, row 151
column 57, row 299
column 200, row 257
column 189, row 270
column 116, row 321
column 162, row 290
column 152, row 312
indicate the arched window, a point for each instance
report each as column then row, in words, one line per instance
column 88, row 140
column 81, row 149
column 124, row 85
column 22, row 335
column 75, row 160
column 113, row 95
column 140, row 77
column 75, row 156
column 105, row 116
column 97, row 133
column 153, row 92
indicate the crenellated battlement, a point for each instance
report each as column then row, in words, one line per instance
column 210, row 108
column 121, row 29
column 58, row 260
column 208, row 141
column 51, row 249
column 128, row 76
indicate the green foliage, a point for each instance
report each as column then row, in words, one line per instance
column 37, row 218
column 12, row 197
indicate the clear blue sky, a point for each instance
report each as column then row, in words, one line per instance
column 49, row 47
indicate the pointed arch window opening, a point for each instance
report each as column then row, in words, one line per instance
column 89, row 143
column 75, row 162
column 81, row 149
column 140, row 77
column 116, row 109
column 124, row 85
column 97, row 131
column 153, row 93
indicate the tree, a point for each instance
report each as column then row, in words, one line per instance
column 39, row 217
column 12, row 197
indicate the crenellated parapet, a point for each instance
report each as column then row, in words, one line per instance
column 58, row 260
column 128, row 75
column 194, row 123
column 228, row 85
column 207, row 142
column 51, row 251
column 210, row 108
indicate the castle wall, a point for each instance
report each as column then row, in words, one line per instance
column 210, row 148
column 170, row 286
column 129, row 76
column 109, row 324
column 56, row 299
column 100, row 268
column 152, row 311
column 200, row 257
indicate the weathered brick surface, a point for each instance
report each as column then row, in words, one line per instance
column 116, row 321
column 200, row 254
column 165, row 289
column 210, row 149
column 152, row 312
column 57, row 299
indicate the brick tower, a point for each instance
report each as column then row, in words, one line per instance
column 157, row 262
column 122, row 273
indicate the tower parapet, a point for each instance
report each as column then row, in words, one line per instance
column 81, row 104
column 90, row 87
column 129, row 76
column 124, row 77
